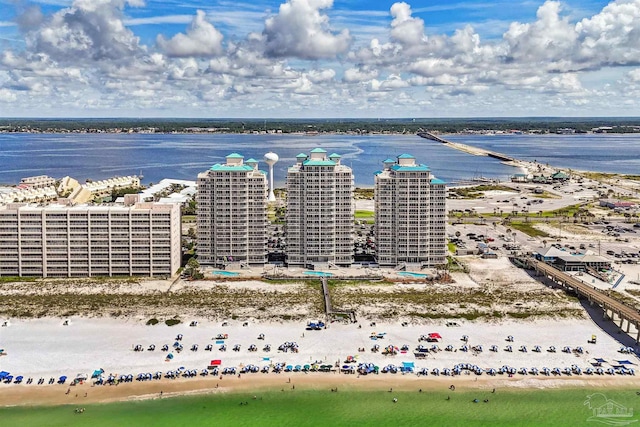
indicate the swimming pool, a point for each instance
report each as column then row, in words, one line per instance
column 318, row 273
column 225, row 273
column 410, row 274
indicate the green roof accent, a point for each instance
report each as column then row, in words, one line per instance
column 319, row 163
column 406, row 156
column 437, row 181
column 334, row 155
column 235, row 156
column 389, row 160
column 318, row 150
column 251, row 160
column 227, row 168
column 377, row 172
column 414, row 168
column 301, row 155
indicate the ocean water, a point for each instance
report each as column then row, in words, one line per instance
column 616, row 153
column 183, row 156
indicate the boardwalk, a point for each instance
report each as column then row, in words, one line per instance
column 610, row 305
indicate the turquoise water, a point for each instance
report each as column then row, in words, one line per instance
column 410, row 274
column 318, row 273
column 225, row 273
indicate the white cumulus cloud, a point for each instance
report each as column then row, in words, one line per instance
column 300, row 30
column 202, row 39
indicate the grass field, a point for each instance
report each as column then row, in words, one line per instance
column 558, row 407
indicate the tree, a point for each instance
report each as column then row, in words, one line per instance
column 193, row 269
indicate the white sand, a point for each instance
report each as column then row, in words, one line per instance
column 44, row 347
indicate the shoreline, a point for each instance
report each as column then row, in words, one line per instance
column 55, row 395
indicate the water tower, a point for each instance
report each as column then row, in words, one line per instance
column 271, row 159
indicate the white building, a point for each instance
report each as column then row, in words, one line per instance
column 410, row 214
column 28, row 195
column 40, row 181
column 232, row 213
column 85, row 241
column 320, row 210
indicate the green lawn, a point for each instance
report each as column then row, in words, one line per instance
column 365, row 216
column 528, row 228
column 558, row 407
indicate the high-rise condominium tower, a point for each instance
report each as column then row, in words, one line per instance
column 319, row 210
column 410, row 214
column 232, row 213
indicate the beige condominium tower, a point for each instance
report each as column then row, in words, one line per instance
column 410, row 214
column 232, row 213
column 320, row 211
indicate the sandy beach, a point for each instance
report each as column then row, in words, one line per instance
column 46, row 348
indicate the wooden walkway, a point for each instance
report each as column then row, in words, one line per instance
column 611, row 306
column 329, row 311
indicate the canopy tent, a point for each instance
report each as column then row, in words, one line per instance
column 625, row 362
column 435, row 335
column 600, row 360
column 3, row 374
column 216, row 362
column 97, row 373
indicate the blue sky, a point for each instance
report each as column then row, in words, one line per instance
column 319, row 58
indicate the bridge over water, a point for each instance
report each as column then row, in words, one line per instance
column 467, row 148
